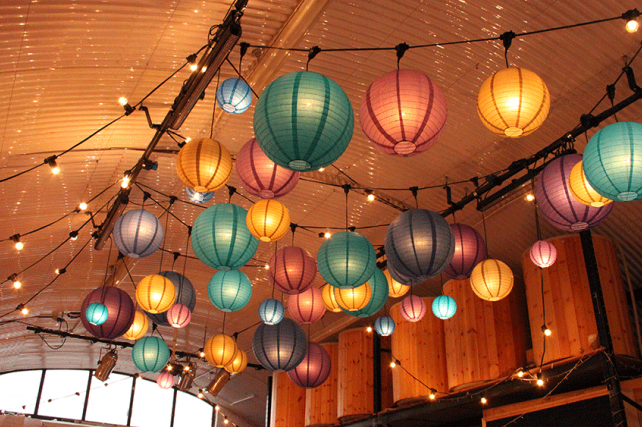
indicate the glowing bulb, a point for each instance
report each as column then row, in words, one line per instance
column 169, row 367
column 82, row 206
column 547, row 332
column 216, row 408
column 529, row 197
column 226, row 421
column 200, row 394
column 123, row 101
column 369, row 329
column 520, row 374
column 55, row 170
column 24, row 311
column 193, row 67
column 393, row 364
column 321, row 169
column 632, row 26
column 540, row 382
column 327, row 235
column 186, row 368
column 204, row 69
column 371, row 197
column 188, row 139
column 201, row 354
column 484, row 400
column 432, row 396
column 125, row 182
column 267, row 266
column 19, row 245
column 17, row 284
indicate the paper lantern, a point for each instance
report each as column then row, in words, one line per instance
column 543, row 253
column 150, row 354
column 613, row 161
column 379, row 287
column 165, row 380
column 185, row 294
column 346, row 260
column 470, row 250
column 155, row 293
column 395, row 289
column 307, row 307
column 221, row 239
column 303, row 121
column 419, row 245
column 271, row 311
column 139, row 327
column 314, row 369
column 444, row 307
column 198, row 197
column 412, row 308
column 353, row 299
column 268, row 220
column 138, row 233
column 403, row 113
column 384, row 326
column 293, row 270
column 120, row 309
column 280, row 347
column 491, row 280
column 220, row 350
column 260, row 176
column 330, row 302
column 513, row 102
column 179, row 316
column 229, row 290
column 96, row 313
column 581, row 189
column 238, row 364
column 234, row 96
column 557, row 204
column 204, row 165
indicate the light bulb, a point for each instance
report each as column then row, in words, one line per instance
column 82, row 206
column 529, row 197
column 73, row 235
column 393, row 364
column 19, row 245
column 369, row 329
column 327, row 235
column 267, row 266
column 632, row 26
column 432, row 396
column 540, row 382
column 24, row 311
column 125, row 182
column 371, row 197
column 484, row 400
column 51, row 161
column 123, row 101
column 204, row 69
column 188, row 139
column 200, row 394
column 216, row 408
column 17, row 284
column 548, row 332
column 321, row 169
column 520, row 374
column 226, row 421
column 55, row 170
column 201, row 354
column 193, row 67
column 169, row 367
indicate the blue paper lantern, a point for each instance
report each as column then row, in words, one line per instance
column 185, row 294
column 138, row 233
column 419, row 244
column 613, row 161
column 444, row 307
column 280, row 347
column 271, row 311
column 150, row 354
column 346, row 260
column 197, row 197
column 379, row 288
column 303, row 121
column 384, row 326
column 234, row 96
column 229, row 290
column 97, row 313
column 221, row 239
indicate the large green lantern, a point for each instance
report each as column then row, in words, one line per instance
column 229, row 290
column 346, row 260
column 221, row 239
column 303, row 121
column 150, row 354
column 379, row 287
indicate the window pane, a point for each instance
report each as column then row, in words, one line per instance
column 109, row 404
column 192, row 411
column 18, row 389
column 66, row 390
column 152, row 405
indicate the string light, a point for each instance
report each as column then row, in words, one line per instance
column 529, row 197
column 632, row 26
column 226, row 421
column 73, row 235
column 126, row 180
column 520, row 374
column 123, row 101
column 540, row 381
column 201, row 353
column 267, row 266
column 204, row 69
column 14, row 279
column 327, row 235
column 484, row 400
column 371, row 196
column 432, row 394
column 200, row 394
column 394, row 363
column 193, row 67
column 216, row 408
column 631, row 21
column 82, row 206
column 61, row 270
column 16, row 239
column 546, row 331
column 24, row 310
column 369, row 329
column 321, row 169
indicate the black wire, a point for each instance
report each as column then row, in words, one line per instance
column 21, row 173
column 241, row 77
column 164, row 208
column 218, row 82
column 163, row 82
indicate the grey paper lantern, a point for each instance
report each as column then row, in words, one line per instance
column 280, row 347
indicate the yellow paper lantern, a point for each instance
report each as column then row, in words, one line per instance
column 155, row 293
column 220, row 350
column 513, row 102
column 327, row 292
column 395, row 289
column 491, row 280
column 204, row 165
column 581, row 189
column 139, row 327
column 353, row 299
column 268, row 220
column 238, row 364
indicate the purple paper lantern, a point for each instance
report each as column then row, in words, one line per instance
column 470, row 250
column 293, row 270
column 314, row 369
column 121, row 312
column 556, row 202
column 260, row 176
column 413, row 308
column 165, row 380
column 543, row 253
column 307, row 307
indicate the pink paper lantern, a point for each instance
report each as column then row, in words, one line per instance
column 314, row 369
column 179, row 315
column 413, row 308
column 403, row 113
column 260, row 176
column 120, row 308
column 307, row 307
column 543, row 253
column 165, row 380
column 293, row 269
column 470, row 250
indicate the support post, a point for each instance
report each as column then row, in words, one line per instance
column 376, row 366
column 268, row 402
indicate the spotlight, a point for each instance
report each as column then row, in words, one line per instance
column 82, row 206
column 529, row 197
column 51, row 161
column 106, row 365
column 369, row 329
column 546, row 331
column 73, row 235
column 16, row 239
column 123, row 101
column 220, row 378
column 484, row 400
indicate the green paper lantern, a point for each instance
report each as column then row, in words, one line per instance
column 221, row 239
column 303, row 121
column 97, row 313
column 229, row 290
column 379, row 287
column 150, row 354
column 346, row 260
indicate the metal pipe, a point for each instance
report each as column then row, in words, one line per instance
column 376, row 366
column 268, row 402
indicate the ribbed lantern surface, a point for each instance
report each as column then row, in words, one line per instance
column 491, row 280
column 543, row 253
column 234, row 96
column 307, row 307
column 280, row 347
column 139, row 327
column 412, row 308
column 384, row 326
column 155, row 293
column 470, row 250
column 293, row 269
column 314, row 369
column 379, row 288
column 271, row 311
column 150, row 354
column 444, row 307
column 268, row 220
column 120, row 309
column 346, row 260
column 204, row 165
column 185, row 294
column 138, row 233
column 229, row 290
column 582, row 190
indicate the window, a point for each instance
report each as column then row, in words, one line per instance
column 191, row 411
column 109, row 401
column 19, row 391
column 63, row 393
column 152, row 405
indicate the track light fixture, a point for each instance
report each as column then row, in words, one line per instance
column 218, row 381
column 106, row 365
column 51, row 161
column 186, row 377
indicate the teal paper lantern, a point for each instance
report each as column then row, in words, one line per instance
column 384, row 326
column 444, row 307
column 229, row 290
column 613, row 161
column 150, row 354
column 303, row 121
column 221, row 239
column 271, row 311
column 234, row 96
column 346, row 260
column 379, row 288
column 97, row 313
